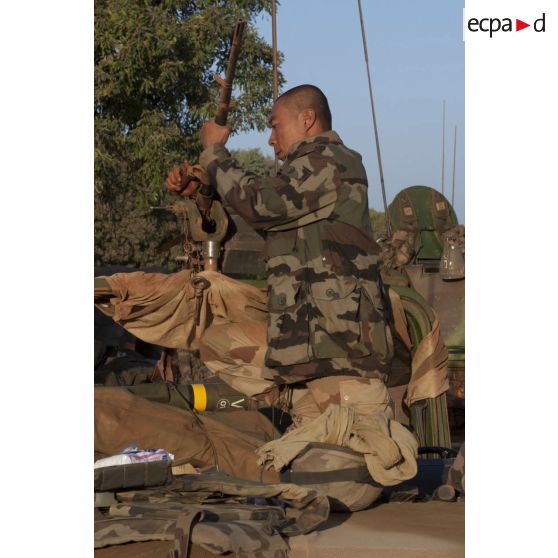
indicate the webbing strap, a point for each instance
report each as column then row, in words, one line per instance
column 356, row 474
column 184, row 525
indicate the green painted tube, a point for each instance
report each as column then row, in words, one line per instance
column 429, row 417
column 200, row 397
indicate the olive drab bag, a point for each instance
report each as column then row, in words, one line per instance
column 226, row 439
column 419, row 216
column 338, row 472
column 346, row 455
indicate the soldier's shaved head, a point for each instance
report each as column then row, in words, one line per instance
column 308, row 97
column 299, row 113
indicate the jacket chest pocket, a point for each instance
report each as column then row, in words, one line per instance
column 375, row 332
column 335, row 324
column 283, row 293
column 287, row 330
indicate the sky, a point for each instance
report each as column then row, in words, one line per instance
column 416, row 56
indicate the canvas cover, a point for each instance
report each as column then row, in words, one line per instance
column 231, row 333
column 339, row 472
column 122, row 419
column 389, row 449
column 367, row 396
column 429, row 366
column 245, row 444
column 161, row 309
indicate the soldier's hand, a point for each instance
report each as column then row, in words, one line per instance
column 174, row 180
column 212, row 133
column 177, row 183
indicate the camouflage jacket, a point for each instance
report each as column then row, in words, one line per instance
column 322, row 261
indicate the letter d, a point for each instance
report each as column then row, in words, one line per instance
column 536, row 24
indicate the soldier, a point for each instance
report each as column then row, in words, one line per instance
column 325, row 309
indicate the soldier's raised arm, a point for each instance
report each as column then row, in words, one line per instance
column 302, row 188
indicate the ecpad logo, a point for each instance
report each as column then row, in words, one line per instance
column 494, row 24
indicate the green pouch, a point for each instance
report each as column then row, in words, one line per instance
column 132, row 475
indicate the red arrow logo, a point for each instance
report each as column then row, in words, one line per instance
column 519, row 25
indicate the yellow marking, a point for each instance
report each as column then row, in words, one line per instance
column 200, row 397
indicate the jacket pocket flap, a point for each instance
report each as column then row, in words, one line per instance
column 283, row 291
column 333, row 288
column 280, row 243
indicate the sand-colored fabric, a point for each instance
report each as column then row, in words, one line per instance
column 122, row 418
column 161, row 309
column 235, row 352
column 429, row 368
column 400, row 321
column 367, row 396
column 389, row 449
column 231, row 334
column 305, row 410
column 232, row 331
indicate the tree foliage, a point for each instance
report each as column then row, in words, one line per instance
column 255, row 161
column 378, row 219
column 155, row 63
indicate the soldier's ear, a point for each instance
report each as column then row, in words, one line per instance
column 308, row 117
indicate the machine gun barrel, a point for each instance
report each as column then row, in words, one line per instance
column 227, row 84
column 205, row 193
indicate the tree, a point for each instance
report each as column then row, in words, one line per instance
column 255, row 161
column 378, row 219
column 154, row 85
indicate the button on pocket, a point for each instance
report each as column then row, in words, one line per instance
column 335, row 321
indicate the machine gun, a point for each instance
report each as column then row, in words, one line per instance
column 204, row 195
column 204, row 221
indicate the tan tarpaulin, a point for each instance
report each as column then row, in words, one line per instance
column 122, row 419
column 399, row 318
column 236, row 353
column 389, row 448
column 160, row 309
column 429, row 367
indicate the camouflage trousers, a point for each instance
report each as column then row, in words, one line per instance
column 236, row 352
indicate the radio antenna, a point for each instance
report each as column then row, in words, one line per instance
column 443, row 142
column 453, row 173
column 388, row 220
